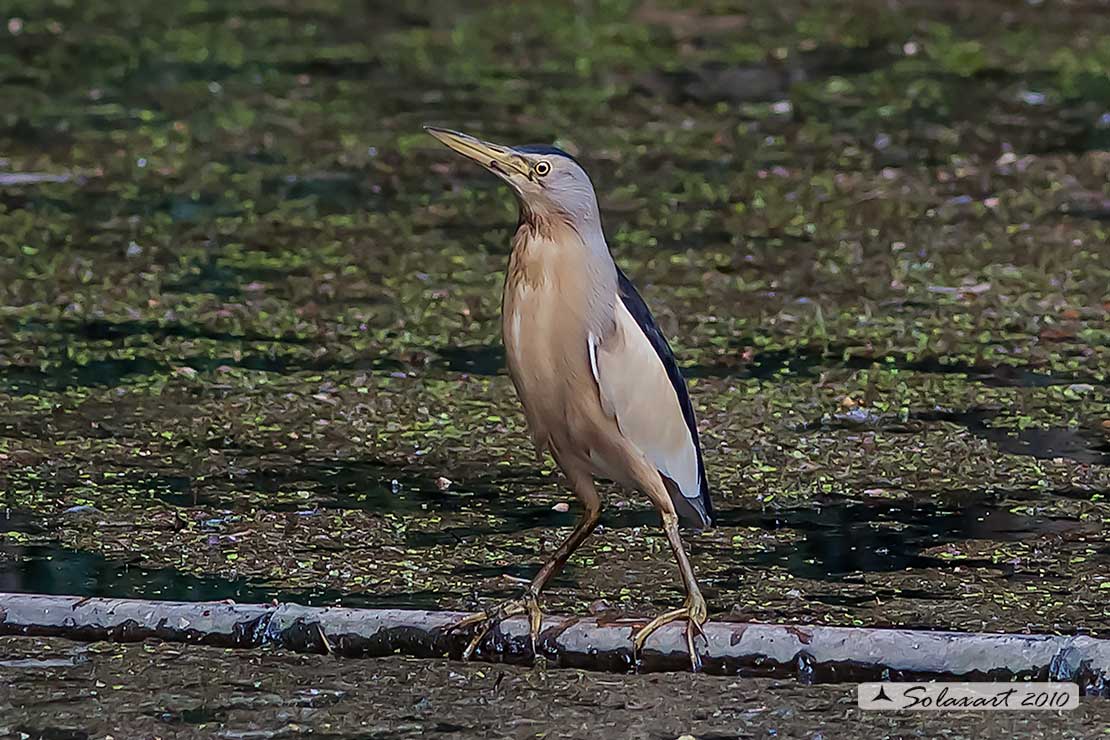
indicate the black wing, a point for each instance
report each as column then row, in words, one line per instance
column 697, row 509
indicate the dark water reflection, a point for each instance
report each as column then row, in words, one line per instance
column 856, row 538
column 823, row 542
column 52, row 569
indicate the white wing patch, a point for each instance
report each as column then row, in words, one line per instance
column 593, row 355
column 635, row 389
column 606, row 406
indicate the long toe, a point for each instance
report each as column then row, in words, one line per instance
column 490, row 618
column 535, row 623
column 694, row 617
column 648, row 629
column 693, row 629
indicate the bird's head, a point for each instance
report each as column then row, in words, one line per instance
column 547, row 181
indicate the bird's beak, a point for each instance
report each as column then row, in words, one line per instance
column 500, row 160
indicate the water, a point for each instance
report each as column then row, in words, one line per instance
column 1082, row 445
column 821, row 543
column 839, row 540
column 52, row 569
column 241, row 294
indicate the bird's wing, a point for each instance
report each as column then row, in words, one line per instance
column 641, row 386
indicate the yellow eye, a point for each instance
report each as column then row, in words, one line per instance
column 542, row 168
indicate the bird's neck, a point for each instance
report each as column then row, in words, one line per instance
column 568, row 264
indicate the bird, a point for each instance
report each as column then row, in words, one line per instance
column 601, row 388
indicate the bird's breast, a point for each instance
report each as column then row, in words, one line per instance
column 548, row 312
column 545, row 341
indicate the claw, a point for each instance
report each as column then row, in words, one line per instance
column 490, row 618
column 694, row 612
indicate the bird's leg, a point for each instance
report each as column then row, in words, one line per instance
column 694, row 610
column 529, row 601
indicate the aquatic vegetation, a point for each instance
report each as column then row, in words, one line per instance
column 243, row 329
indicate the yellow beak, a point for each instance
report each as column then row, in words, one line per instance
column 494, row 157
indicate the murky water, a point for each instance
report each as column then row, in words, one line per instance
column 59, row 570
column 822, row 542
column 249, row 312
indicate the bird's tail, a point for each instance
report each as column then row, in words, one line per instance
column 693, row 512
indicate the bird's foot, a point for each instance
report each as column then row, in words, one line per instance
column 693, row 611
column 486, row 620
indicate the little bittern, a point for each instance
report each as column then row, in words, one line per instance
column 600, row 386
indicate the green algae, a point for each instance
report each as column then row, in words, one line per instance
column 252, row 295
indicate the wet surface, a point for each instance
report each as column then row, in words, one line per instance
column 885, row 549
column 58, row 570
column 59, row 689
column 249, row 312
column 827, row 543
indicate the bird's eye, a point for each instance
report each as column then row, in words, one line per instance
column 542, row 168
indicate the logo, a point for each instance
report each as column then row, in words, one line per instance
column 967, row 696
